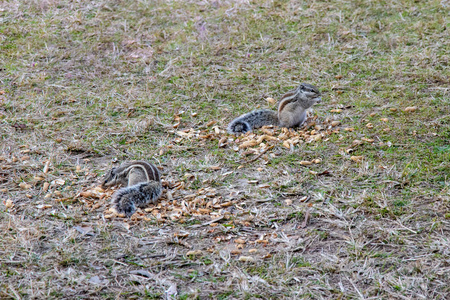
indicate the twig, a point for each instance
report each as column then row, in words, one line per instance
column 307, row 218
column 206, row 223
column 259, row 155
column 153, row 256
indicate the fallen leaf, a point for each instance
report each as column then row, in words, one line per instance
column 46, row 167
column 25, row 185
column 194, row 253
column 9, row 203
column 317, row 137
column 58, row 181
column 45, row 186
column 247, row 144
column 357, row 158
column 44, row 206
column 356, row 143
column 271, row 100
column 239, row 241
column 246, row 259
column 411, row 109
column 223, row 142
column 335, row 123
column 368, row 140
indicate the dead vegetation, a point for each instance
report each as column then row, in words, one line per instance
column 355, row 204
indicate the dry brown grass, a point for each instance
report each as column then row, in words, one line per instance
column 87, row 83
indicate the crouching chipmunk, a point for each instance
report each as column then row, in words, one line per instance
column 291, row 111
column 142, row 185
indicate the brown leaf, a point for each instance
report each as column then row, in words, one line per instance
column 368, row 140
column 25, row 185
column 270, row 100
column 239, row 241
column 246, row 259
column 223, row 142
column 411, row 109
column 357, row 158
column 46, row 167
column 194, row 253
column 247, row 144
column 9, row 203
column 335, row 123
column 45, row 186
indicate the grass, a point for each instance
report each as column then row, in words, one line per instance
column 89, row 83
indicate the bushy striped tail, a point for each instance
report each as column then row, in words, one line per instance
column 126, row 200
column 252, row 120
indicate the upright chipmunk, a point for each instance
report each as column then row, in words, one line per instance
column 143, row 185
column 291, row 111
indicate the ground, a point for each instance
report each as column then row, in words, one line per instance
column 355, row 204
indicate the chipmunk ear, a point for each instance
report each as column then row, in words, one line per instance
column 302, row 87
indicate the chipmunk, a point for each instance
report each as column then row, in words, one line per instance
column 143, row 185
column 291, row 111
